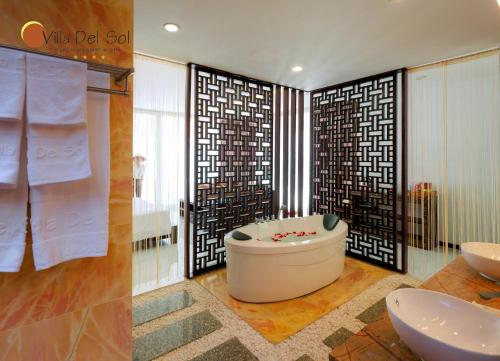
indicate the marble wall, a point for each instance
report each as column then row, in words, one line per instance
column 79, row 310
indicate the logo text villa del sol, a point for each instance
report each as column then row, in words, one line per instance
column 35, row 35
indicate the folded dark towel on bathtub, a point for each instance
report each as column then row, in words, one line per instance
column 240, row 236
column 330, row 221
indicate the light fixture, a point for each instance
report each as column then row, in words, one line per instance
column 297, row 68
column 171, row 27
column 498, row 2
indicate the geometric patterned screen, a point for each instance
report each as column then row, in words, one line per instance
column 233, row 146
column 354, row 163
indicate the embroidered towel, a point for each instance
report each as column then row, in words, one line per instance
column 56, row 91
column 13, row 206
column 12, row 92
column 57, row 154
column 10, row 149
column 56, row 99
column 70, row 220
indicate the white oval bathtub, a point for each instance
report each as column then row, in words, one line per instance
column 262, row 270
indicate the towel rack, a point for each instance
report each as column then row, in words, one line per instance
column 120, row 75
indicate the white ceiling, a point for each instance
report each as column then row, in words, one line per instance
column 334, row 40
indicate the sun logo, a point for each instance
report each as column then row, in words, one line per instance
column 32, row 34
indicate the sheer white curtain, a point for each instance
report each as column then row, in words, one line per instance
column 158, row 136
column 159, row 95
column 454, row 143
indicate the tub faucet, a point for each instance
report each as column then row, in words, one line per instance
column 281, row 211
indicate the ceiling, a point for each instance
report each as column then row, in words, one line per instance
column 334, row 40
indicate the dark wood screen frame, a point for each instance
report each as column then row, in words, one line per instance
column 277, row 149
column 283, row 96
column 241, row 188
column 396, row 236
column 286, row 148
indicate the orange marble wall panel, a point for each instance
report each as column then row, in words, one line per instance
column 106, row 333
column 51, row 303
column 69, row 16
column 100, row 332
column 51, row 339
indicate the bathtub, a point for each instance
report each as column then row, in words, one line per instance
column 263, row 270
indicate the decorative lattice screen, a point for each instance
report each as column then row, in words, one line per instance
column 233, row 145
column 354, row 163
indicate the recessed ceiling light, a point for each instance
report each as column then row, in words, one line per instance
column 171, row 27
column 297, row 68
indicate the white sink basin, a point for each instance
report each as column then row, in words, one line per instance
column 439, row 327
column 483, row 257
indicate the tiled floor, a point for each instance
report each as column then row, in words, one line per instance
column 338, row 337
column 162, row 305
column 232, row 349
column 156, row 267
column 424, row 263
column 193, row 332
column 174, row 335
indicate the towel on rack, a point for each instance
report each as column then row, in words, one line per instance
column 13, row 209
column 10, row 149
column 56, row 99
column 12, row 92
column 69, row 220
column 56, row 90
column 57, row 154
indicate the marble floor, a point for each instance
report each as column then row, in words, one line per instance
column 422, row 263
column 186, row 321
column 156, row 267
column 197, row 319
column 277, row 321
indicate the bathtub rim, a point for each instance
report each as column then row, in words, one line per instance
column 254, row 246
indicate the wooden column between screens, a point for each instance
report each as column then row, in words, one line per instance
column 285, row 150
column 277, row 150
column 300, row 151
column 293, row 148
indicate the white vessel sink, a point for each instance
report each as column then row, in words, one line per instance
column 440, row 327
column 483, row 257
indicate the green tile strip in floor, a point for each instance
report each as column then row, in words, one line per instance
column 372, row 313
column 304, row 358
column 338, row 337
column 160, row 306
column 231, row 350
column 177, row 334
